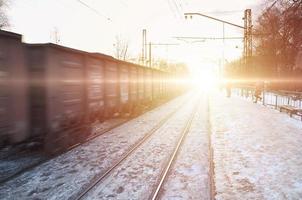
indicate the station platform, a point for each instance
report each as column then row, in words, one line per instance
column 257, row 150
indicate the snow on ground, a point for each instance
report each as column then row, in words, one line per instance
column 257, row 151
column 136, row 177
column 14, row 164
column 13, row 160
column 64, row 176
column 189, row 175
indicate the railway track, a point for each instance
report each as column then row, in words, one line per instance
column 138, row 144
column 164, row 174
column 45, row 158
column 211, row 157
column 127, row 154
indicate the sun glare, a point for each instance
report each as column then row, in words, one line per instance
column 206, row 80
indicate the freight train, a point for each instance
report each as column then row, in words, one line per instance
column 56, row 93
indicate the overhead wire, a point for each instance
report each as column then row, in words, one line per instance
column 172, row 9
column 180, row 5
column 225, row 12
column 177, row 8
column 94, row 10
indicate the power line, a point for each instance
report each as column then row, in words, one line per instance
column 164, row 44
column 268, row 9
column 180, row 5
column 203, row 39
column 177, row 8
column 124, row 3
column 94, row 10
column 181, row 8
column 225, row 12
column 172, row 9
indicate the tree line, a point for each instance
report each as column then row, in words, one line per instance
column 3, row 15
column 277, row 46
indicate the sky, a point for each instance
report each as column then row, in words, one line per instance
column 95, row 29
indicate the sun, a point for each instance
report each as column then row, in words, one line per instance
column 204, row 76
column 206, row 81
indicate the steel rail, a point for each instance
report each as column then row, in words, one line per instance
column 156, row 193
column 127, row 154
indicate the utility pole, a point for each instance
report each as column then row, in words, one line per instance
column 143, row 50
column 248, row 47
column 222, row 64
column 150, row 55
column 144, row 47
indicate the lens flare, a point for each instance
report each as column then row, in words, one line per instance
column 206, row 80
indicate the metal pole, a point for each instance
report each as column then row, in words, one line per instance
column 146, row 45
column 276, row 104
column 223, row 39
column 150, row 55
column 143, row 47
column 263, row 98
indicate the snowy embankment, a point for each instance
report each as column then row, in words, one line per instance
column 64, row 176
column 13, row 164
column 189, row 175
column 14, row 160
column 136, row 177
column 257, row 151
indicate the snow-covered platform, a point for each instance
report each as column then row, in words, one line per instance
column 257, row 151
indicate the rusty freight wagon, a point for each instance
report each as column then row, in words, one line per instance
column 59, row 106
column 95, row 83
column 13, row 89
column 124, row 87
column 55, row 95
column 133, row 73
column 148, row 91
column 112, row 88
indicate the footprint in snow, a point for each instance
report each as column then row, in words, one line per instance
column 120, row 190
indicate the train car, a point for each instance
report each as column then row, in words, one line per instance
column 134, row 102
column 141, row 85
column 155, row 85
column 148, row 91
column 58, row 102
column 112, row 88
column 170, row 85
column 55, row 94
column 95, row 76
column 124, row 87
column 160, row 84
column 13, row 89
column 163, row 84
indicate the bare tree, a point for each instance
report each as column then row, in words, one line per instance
column 121, row 48
column 278, row 36
column 3, row 16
